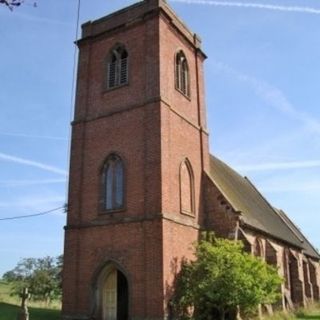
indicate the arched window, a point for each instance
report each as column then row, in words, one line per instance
column 117, row 74
column 285, row 263
column 258, row 248
column 186, row 188
column 113, row 175
column 182, row 73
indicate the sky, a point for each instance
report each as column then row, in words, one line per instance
column 262, row 95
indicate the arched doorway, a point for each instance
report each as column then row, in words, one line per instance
column 113, row 295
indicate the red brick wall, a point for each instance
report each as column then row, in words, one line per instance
column 177, row 247
column 140, row 152
column 219, row 216
column 153, row 128
column 181, row 122
column 93, row 100
column 192, row 109
column 141, row 259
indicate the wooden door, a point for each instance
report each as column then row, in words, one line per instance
column 109, row 305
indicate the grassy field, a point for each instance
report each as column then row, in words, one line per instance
column 10, row 312
column 5, row 290
column 312, row 314
column 9, row 307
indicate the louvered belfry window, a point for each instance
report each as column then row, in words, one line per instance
column 182, row 74
column 117, row 67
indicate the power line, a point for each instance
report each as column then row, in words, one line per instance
column 32, row 215
column 71, row 111
column 72, row 96
column 75, row 58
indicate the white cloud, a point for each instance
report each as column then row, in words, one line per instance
column 31, row 163
column 23, row 183
column 271, row 95
column 307, row 186
column 23, row 135
column 34, row 203
column 273, row 149
column 278, row 166
column 36, row 19
column 287, row 183
column 236, row 4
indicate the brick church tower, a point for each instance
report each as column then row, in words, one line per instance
column 138, row 156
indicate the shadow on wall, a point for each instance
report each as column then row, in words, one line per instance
column 172, row 294
column 170, row 288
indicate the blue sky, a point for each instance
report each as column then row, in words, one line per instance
column 263, row 94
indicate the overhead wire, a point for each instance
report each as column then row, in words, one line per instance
column 71, row 111
column 72, row 96
column 32, row 215
column 75, row 59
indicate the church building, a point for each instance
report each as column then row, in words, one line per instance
column 143, row 184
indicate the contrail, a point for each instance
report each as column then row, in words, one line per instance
column 272, row 95
column 32, row 136
column 279, row 166
column 33, row 18
column 23, row 183
column 284, row 186
column 252, row 5
column 43, row 166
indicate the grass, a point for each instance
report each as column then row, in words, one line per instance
column 312, row 313
column 5, row 290
column 10, row 312
column 9, row 307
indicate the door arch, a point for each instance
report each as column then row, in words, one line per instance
column 113, row 294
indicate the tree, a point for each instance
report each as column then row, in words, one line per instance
column 222, row 278
column 14, row 3
column 9, row 276
column 11, row 3
column 42, row 276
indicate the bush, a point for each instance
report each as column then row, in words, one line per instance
column 222, row 278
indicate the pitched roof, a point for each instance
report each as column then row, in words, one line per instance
column 306, row 245
column 255, row 209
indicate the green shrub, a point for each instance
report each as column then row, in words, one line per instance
column 222, row 278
